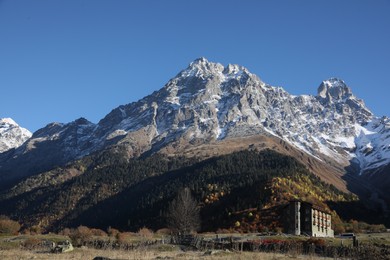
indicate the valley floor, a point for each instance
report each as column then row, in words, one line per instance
column 371, row 246
column 87, row 253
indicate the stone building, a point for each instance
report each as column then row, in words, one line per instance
column 303, row 218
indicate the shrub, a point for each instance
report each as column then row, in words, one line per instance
column 25, row 231
column 34, row 230
column 278, row 230
column 98, row 232
column 112, row 232
column 31, row 243
column 9, row 226
column 124, row 237
column 164, row 231
column 145, row 233
column 377, row 228
column 315, row 241
column 80, row 236
column 338, row 228
column 352, row 226
column 65, row 232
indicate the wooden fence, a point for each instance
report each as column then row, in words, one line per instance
column 285, row 247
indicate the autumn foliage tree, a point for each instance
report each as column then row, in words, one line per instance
column 183, row 213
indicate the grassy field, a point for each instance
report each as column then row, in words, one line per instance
column 87, row 253
column 375, row 238
column 14, row 247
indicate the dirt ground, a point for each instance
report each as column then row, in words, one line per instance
column 86, row 253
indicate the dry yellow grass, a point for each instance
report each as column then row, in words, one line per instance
column 87, row 253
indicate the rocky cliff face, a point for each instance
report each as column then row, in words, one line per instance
column 209, row 102
column 11, row 134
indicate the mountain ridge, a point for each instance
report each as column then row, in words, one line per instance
column 207, row 111
column 11, row 134
column 208, row 102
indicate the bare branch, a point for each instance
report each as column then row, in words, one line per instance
column 183, row 213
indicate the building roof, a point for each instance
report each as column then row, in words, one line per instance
column 314, row 206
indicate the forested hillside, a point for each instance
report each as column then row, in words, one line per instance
column 105, row 190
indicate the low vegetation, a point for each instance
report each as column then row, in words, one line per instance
column 146, row 244
column 8, row 226
column 176, row 253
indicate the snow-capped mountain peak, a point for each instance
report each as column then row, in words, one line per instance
column 11, row 134
column 336, row 95
column 8, row 121
column 209, row 102
column 202, row 68
column 334, row 89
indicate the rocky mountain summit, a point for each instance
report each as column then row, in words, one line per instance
column 208, row 102
column 209, row 126
column 11, row 134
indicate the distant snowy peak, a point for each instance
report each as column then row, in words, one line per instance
column 334, row 89
column 8, row 121
column 372, row 144
column 336, row 94
column 11, row 134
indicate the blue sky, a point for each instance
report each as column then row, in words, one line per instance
column 61, row 60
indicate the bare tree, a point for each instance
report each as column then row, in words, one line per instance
column 183, row 213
